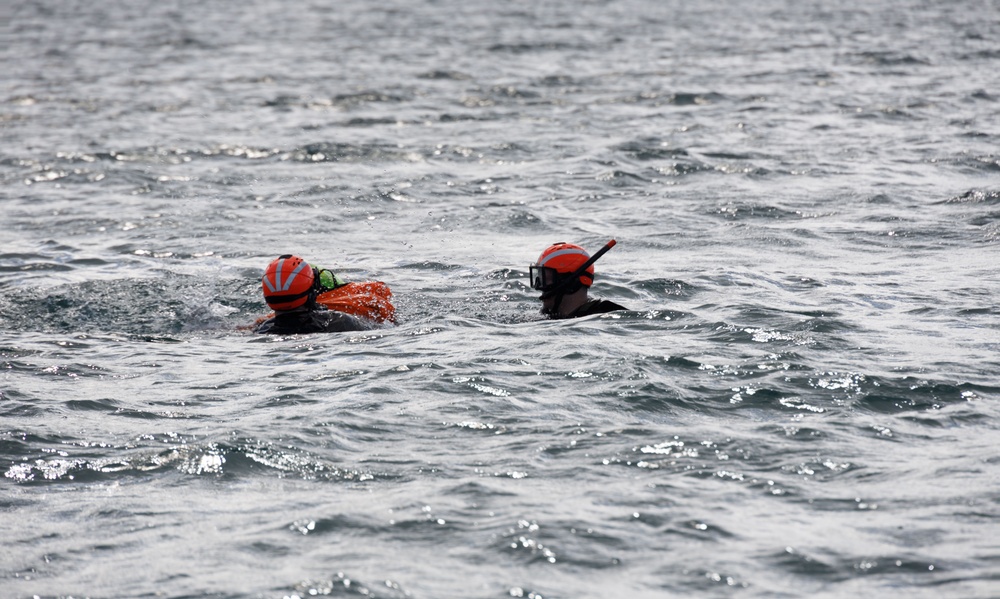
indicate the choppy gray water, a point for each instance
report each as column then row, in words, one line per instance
column 802, row 400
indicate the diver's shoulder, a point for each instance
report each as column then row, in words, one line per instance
column 597, row 306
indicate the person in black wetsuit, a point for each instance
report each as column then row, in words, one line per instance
column 564, row 273
column 290, row 288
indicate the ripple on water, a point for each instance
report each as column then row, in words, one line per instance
column 800, row 400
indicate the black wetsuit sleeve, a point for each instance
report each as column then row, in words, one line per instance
column 337, row 322
column 596, row 306
column 264, row 327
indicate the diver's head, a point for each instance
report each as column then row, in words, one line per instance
column 289, row 283
column 555, row 269
column 557, row 275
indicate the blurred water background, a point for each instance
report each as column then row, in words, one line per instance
column 801, row 400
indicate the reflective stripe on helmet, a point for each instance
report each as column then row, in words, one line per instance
column 277, row 286
column 564, row 252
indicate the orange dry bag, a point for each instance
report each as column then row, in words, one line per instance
column 370, row 299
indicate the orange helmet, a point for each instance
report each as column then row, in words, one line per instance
column 288, row 283
column 557, row 261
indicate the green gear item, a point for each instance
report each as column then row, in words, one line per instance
column 329, row 280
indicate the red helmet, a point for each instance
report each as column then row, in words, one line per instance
column 287, row 283
column 563, row 258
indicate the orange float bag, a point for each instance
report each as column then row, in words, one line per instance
column 370, row 299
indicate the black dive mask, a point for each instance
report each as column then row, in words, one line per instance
column 542, row 277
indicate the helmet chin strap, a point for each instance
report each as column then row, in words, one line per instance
column 570, row 284
column 554, row 310
column 317, row 286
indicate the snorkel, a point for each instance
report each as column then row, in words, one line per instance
column 570, row 283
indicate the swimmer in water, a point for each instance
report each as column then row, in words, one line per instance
column 564, row 273
column 291, row 288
